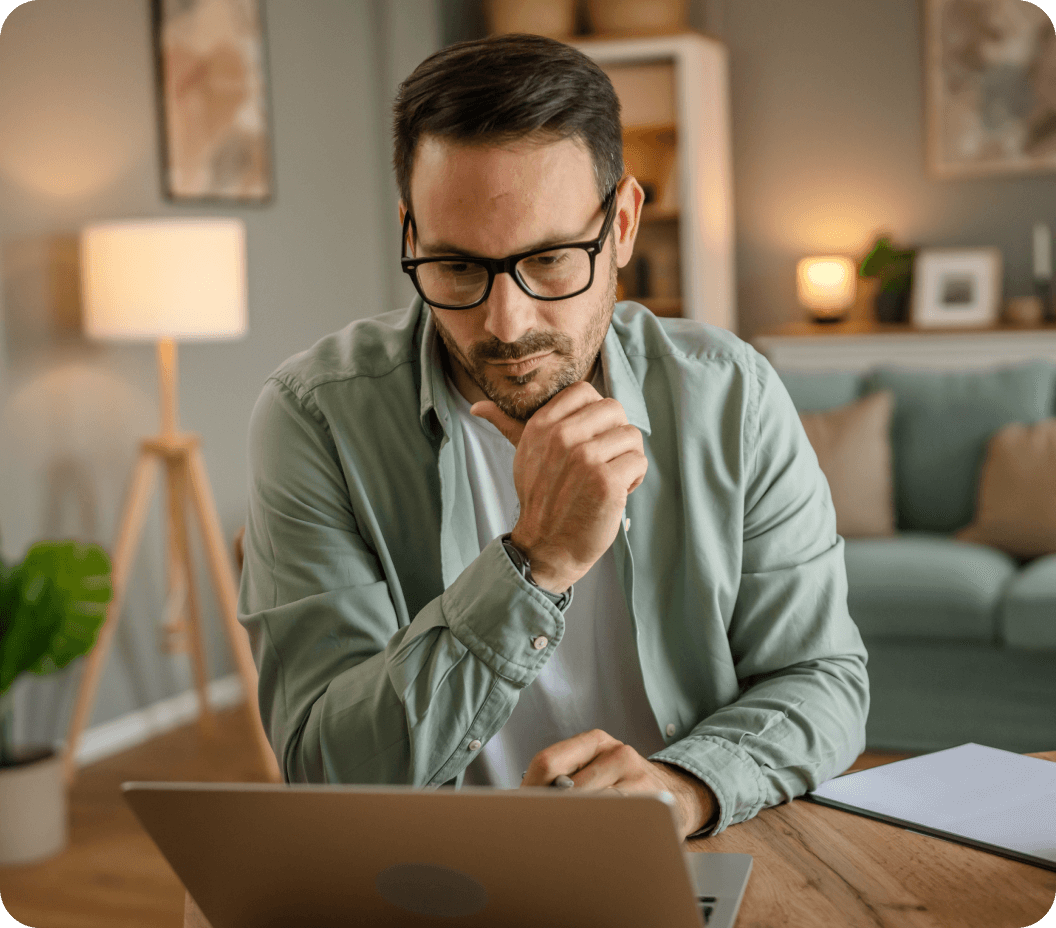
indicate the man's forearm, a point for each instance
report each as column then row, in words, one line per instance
column 782, row 737
column 414, row 711
column 699, row 804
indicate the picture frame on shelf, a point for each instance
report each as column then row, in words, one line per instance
column 956, row 287
column 212, row 97
column 990, row 88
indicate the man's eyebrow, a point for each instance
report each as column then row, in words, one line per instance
column 446, row 248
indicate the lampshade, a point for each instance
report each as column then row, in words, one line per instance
column 183, row 279
column 826, row 283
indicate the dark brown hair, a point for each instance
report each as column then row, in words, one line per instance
column 509, row 87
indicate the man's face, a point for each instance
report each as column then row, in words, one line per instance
column 490, row 201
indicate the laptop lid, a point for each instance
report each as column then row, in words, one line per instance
column 258, row 855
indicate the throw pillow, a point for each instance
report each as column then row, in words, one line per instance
column 853, row 446
column 941, row 424
column 1016, row 510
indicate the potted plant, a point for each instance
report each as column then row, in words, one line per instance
column 894, row 269
column 52, row 605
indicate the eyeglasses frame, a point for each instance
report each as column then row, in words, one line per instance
column 507, row 265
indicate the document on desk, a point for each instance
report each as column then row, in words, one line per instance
column 994, row 800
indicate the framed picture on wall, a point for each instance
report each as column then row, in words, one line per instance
column 990, row 88
column 213, row 100
column 955, row 287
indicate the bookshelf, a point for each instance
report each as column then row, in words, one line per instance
column 674, row 98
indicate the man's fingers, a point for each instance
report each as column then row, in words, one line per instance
column 511, row 428
column 582, row 423
column 612, row 765
column 567, row 757
column 566, row 402
column 628, row 469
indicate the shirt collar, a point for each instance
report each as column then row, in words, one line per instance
column 620, row 381
column 433, row 409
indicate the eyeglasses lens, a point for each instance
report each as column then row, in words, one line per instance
column 557, row 273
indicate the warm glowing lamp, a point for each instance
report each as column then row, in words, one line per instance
column 165, row 281
column 826, row 286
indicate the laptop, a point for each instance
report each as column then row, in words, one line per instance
column 263, row 855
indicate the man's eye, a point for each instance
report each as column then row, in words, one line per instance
column 547, row 261
column 456, row 268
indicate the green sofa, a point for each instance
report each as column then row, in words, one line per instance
column 961, row 637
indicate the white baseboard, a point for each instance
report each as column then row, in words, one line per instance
column 143, row 724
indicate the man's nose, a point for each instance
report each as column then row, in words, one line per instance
column 511, row 313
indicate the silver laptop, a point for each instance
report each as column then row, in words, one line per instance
column 257, row 855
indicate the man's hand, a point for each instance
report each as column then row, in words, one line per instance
column 577, row 460
column 596, row 760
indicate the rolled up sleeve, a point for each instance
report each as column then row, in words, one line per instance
column 799, row 659
column 350, row 691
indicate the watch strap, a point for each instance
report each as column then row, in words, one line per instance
column 524, row 568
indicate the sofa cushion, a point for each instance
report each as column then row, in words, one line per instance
column 853, row 445
column 941, row 425
column 1016, row 508
column 925, row 585
column 1028, row 611
column 814, row 390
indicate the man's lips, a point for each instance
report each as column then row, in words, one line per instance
column 521, row 366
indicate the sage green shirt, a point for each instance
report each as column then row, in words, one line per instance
column 390, row 647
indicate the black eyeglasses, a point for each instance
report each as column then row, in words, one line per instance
column 552, row 273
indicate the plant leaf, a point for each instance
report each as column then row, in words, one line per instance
column 36, row 610
column 62, row 592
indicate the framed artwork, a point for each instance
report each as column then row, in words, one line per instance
column 990, row 88
column 954, row 287
column 212, row 100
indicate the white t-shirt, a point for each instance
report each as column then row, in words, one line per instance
column 593, row 678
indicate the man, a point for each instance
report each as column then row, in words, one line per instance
column 515, row 532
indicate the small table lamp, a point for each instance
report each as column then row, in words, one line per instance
column 826, row 286
column 163, row 281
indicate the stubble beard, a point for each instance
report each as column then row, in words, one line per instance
column 577, row 360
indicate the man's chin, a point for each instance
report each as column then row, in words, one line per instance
column 519, row 402
column 522, row 396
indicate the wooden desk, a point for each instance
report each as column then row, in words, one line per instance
column 819, row 866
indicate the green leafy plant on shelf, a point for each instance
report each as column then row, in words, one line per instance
column 52, row 606
column 893, row 268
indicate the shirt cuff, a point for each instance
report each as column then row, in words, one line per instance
column 730, row 773
column 507, row 622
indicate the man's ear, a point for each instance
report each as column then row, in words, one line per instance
column 403, row 215
column 629, row 200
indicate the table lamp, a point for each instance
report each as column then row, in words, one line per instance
column 826, row 286
column 166, row 281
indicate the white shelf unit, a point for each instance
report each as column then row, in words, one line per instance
column 921, row 350
column 703, row 169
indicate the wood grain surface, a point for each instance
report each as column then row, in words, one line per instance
column 820, row 866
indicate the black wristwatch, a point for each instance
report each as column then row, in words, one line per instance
column 524, row 568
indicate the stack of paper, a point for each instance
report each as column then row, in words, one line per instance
column 991, row 799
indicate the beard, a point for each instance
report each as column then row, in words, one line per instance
column 575, row 360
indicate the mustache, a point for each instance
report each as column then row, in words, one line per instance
column 492, row 349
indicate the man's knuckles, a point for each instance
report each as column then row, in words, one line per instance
column 545, row 766
column 624, row 759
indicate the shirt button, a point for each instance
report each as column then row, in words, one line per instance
column 671, row 729
column 474, row 745
column 540, row 642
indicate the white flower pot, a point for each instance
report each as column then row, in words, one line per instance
column 33, row 817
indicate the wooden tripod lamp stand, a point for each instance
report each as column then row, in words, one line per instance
column 169, row 280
